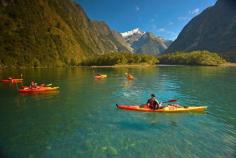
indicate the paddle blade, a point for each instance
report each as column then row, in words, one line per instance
column 172, row 100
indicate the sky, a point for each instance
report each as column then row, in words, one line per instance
column 165, row 18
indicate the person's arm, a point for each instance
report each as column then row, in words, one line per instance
column 157, row 101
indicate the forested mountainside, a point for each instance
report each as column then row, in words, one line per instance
column 50, row 33
column 213, row 30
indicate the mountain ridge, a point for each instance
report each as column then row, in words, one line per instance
column 145, row 42
column 214, row 30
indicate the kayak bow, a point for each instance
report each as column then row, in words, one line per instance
column 12, row 80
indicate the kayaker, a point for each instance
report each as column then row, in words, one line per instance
column 33, row 84
column 153, row 103
column 129, row 76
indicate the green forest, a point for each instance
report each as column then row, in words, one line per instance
column 192, row 58
column 179, row 58
column 119, row 58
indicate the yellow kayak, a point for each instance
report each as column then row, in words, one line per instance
column 169, row 109
column 101, row 76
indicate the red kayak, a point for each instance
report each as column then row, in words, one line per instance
column 169, row 108
column 37, row 89
column 14, row 80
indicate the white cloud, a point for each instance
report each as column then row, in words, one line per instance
column 191, row 13
column 194, row 11
column 152, row 20
column 162, row 30
column 170, row 23
column 183, row 18
column 153, row 28
column 172, row 35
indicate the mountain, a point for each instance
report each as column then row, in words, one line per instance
column 122, row 41
column 213, row 30
column 51, row 33
column 133, row 35
column 145, row 42
column 150, row 44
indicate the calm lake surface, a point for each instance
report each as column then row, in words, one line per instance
column 82, row 121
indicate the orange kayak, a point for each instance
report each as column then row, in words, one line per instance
column 14, row 80
column 168, row 109
column 101, row 76
column 37, row 89
column 130, row 78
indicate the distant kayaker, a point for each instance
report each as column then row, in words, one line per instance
column 129, row 76
column 33, row 84
column 153, row 103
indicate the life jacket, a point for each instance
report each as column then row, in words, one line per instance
column 153, row 103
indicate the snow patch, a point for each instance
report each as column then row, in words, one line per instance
column 132, row 32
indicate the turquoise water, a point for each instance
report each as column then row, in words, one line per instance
column 82, row 121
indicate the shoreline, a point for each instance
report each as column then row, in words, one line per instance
column 117, row 66
column 228, row 65
column 158, row 65
column 120, row 66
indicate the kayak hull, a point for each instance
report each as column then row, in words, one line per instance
column 12, row 81
column 167, row 109
column 38, row 89
column 130, row 78
column 100, row 76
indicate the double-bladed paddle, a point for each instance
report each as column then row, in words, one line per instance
column 170, row 101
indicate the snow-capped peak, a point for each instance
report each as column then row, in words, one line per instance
column 130, row 33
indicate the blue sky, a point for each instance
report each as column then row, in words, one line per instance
column 165, row 18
